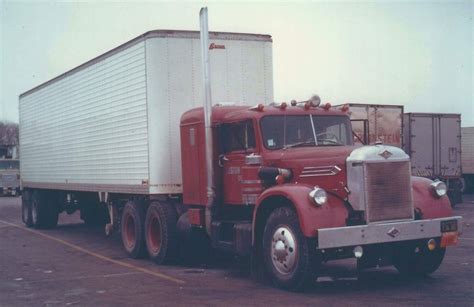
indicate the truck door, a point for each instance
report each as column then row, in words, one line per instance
column 240, row 180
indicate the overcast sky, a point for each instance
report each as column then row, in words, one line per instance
column 419, row 54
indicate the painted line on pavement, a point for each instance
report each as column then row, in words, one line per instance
column 96, row 255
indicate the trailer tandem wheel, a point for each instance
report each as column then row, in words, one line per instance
column 132, row 229
column 44, row 209
column 161, row 232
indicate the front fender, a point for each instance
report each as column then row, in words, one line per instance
column 310, row 216
column 429, row 206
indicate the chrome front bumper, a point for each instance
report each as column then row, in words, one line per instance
column 382, row 232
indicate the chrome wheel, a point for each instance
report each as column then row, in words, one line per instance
column 283, row 251
column 26, row 213
column 130, row 236
column 34, row 212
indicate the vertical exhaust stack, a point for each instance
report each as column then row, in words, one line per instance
column 206, row 74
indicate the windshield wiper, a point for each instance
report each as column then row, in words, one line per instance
column 305, row 143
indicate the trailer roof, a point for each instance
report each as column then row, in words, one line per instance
column 433, row 114
column 152, row 34
column 371, row 105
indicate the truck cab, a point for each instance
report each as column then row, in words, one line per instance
column 293, row 190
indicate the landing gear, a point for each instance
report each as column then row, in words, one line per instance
column 288, row 258
column 93, row 212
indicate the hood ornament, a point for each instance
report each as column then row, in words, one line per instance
column 385, row 154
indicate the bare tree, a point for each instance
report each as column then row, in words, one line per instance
column 8, row 133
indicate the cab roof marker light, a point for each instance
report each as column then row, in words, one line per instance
column 259, row 107
column 280, row 105
column 293, row 103
column 327, row 106
column 345, row 108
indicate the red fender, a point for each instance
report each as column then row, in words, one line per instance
column 424, row 200
column 310, row 216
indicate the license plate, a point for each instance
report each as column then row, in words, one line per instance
column 448, row 226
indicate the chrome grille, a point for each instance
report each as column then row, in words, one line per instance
column 388, row 191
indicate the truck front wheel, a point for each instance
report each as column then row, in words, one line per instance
column 414, row 261
column 132, row 229
column 161, row 233
column 286, row 251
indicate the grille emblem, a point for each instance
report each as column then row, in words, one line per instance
column 385, row 154
column 393, row 232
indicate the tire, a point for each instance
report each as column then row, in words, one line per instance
column 413, row 261
column 133, row 230
column 287, row 255
column 26, row 208
column 44, row 210
column 161, row 232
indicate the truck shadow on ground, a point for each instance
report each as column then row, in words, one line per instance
column 334, row 277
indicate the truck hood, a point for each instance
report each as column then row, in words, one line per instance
column 318, row 166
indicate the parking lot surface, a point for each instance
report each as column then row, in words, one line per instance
column 78, row 265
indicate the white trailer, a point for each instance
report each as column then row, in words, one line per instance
column 467, row 158
column 433, row 141
column 112, row 124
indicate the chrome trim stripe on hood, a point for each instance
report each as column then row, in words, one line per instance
column 315, row 171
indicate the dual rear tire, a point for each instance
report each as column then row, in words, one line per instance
column 150, row 231
column 39, row 209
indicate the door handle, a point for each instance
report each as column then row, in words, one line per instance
column 222, row 158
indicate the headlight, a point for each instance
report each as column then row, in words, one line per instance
column 318, row 196
column 439, row 188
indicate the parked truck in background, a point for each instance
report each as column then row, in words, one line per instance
column 467, row 158
column 433, row 141
column 281, row 183
column 372, row 123
column 9, row 170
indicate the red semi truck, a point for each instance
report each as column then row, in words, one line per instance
column 281, row 183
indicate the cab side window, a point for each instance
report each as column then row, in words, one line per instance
column 237, row 136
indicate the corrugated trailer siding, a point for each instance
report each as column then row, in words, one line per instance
column 467, row 141
column 241, row 73
column 89, row 127
column 112, row 124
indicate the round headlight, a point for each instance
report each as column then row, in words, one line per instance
column 318, row 196
column 439, row 188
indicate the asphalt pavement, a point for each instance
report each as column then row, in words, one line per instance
column 78, row 265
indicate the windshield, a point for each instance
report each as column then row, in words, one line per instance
column 9, row 164
column 286, row 131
